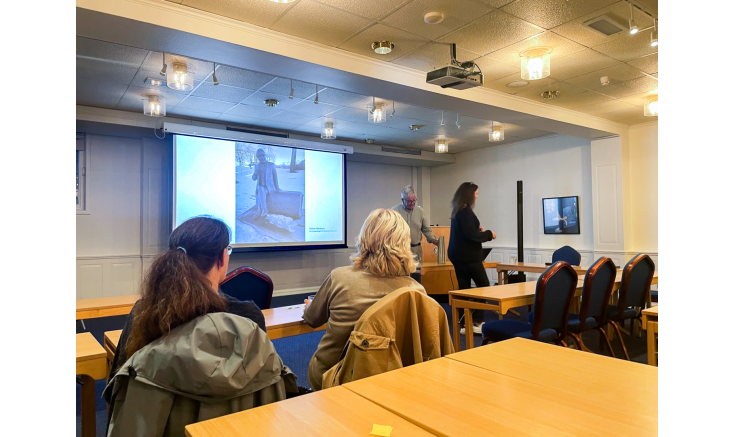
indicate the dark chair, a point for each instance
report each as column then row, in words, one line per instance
column 596, row 291
column 566, row 254
column 554, row 292
column 634, row 288
column 247, row 283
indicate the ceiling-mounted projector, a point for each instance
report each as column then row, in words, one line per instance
column 457, row 75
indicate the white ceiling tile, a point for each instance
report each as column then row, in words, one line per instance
column 404, row 42
column 101, row 50
column 635, row 99
column 579, row 63
column 251, row 111
column 338, row 97
column 363, row 104
column 638, row 119
column 649, row 63
column 205, row 104
column 258, row 12
column 240, row 78
column 222, row 92
column 628, row 47
column 497, row 3
column 354, row 115
column 192, row 113
column 373, row 9
column 259, row 98
column 605, row 107
column 456, row 15
column 616, row 74
column 109, row 71
column 320, row 23
column 494, row 70
column 560, row 47
column 418, row 112
column 500, row 84
column 308, row 107
column 635, row 86
column 619, row 12
column 622, row 114
column 432, row 56
column 258, row 123
column 295, row 117
column 99, row 93
column 580, row 99
column 282, row 87
column 492, row 32
column 552, row 13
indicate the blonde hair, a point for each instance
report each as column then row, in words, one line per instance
column 384, row 245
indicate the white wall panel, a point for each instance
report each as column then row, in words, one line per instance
column 607, row 186
column 89, row 280
column 125, row 278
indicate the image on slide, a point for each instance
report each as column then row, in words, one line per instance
column 269, row 192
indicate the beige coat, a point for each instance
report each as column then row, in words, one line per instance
column 405, row 327
column 340, row 302
column 217, row 364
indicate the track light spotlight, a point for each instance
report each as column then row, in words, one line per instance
column 457, row 123
column 654, row 35
column 316, row 100
column 394, row 109
column 163, row 70
column 290, row 96
column 214, row 74
column 631, row 23
column 442, row 123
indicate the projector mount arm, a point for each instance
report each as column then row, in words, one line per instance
column 468, row 66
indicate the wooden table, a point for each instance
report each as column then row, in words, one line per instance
column 452, row 398
column 105, row 306
column 440, row 278
column 649, row 319
column 504, row 297
column 91, row 365
column 279, row 322
column 504, row 268
column 333, row 412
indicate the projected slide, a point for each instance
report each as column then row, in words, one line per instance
column 269, row 196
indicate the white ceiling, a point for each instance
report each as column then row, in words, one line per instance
column 491, row 32
column 114, row 76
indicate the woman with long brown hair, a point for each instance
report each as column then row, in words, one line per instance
column 465, row 245
column 181, row 285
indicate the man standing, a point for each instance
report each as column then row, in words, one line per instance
column 416, row 219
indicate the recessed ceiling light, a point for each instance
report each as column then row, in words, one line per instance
column 517, row 84
column 433, row 18
column 383, row 47
column 271, row 103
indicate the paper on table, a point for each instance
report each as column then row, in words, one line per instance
column 381, row 430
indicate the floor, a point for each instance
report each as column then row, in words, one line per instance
column 297, row 351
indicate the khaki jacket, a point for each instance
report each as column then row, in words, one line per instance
column 403, row 328
column 217, row 364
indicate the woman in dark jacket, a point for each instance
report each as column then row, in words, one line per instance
column 465, row 245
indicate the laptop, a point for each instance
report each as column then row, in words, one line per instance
column 486, row 251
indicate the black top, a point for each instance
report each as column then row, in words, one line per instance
column 246, row 309
column 465, row 238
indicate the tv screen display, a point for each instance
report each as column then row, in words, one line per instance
column 271, row 197
column 561, row 215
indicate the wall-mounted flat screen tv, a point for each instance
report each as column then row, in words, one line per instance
column 561, row 215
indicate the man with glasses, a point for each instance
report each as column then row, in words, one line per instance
column 417, row 221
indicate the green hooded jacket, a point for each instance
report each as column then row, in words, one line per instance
column 217, row 364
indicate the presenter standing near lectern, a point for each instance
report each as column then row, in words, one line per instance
column 417, row 222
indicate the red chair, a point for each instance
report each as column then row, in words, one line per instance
column 247, row 283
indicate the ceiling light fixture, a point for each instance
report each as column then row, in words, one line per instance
column 316, row 100
column 329, row 133
column 154, row 105
column 271, row 103
column 654, row 35
column 214, row 74
column 376, row 114
column 550, row 95
column 369, row 140
column 394, row 109
column 178, row 78
column 631, row 23
column 163, row 70
column 441, row 146
column 497, row 131
column 457, row 122
column 536, row 63
column 433, row 17
column 415, row 126
column 290, row 96
column 650, row 105
column 604, row 80
column 383, row 47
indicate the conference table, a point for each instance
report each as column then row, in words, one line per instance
column 504, row 268
column 649, row 320
column 502, row 298
column 91, row 365
column 440, row 278
column 512, row 388
column 105, row 306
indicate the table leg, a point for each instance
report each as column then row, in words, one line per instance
column 651, row 343
column 455, row 324
column 469, row 335
column 89, row 425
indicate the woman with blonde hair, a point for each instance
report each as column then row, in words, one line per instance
column 382, row 264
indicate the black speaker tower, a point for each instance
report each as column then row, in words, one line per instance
column 520, row 276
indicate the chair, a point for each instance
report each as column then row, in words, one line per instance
column 554, row 292
column 598, row 284
column 247, row 283
column 634, row 288
column 566, row 254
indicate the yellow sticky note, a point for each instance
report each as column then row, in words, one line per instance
column 382, row 430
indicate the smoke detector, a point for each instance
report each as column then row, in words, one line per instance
column 604, row 80
column 271, row 103
column 433, row 18
column 517, row 84
column 416, row 126
column 549, row 95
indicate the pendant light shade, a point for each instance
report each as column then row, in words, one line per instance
column 154, row 106
column 535, row 63
column 376, row 113
column 329, row 133
column 650, row 105
column 179, row 78
column 441, row 145
column 497, row 131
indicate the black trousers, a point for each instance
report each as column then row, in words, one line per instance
column 416, row 276
column 472, row 272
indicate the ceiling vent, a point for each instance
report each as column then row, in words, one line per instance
column 606, row 25
column 402, row 151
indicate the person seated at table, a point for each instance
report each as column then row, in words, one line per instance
column 382, row 264
column 181, row 285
